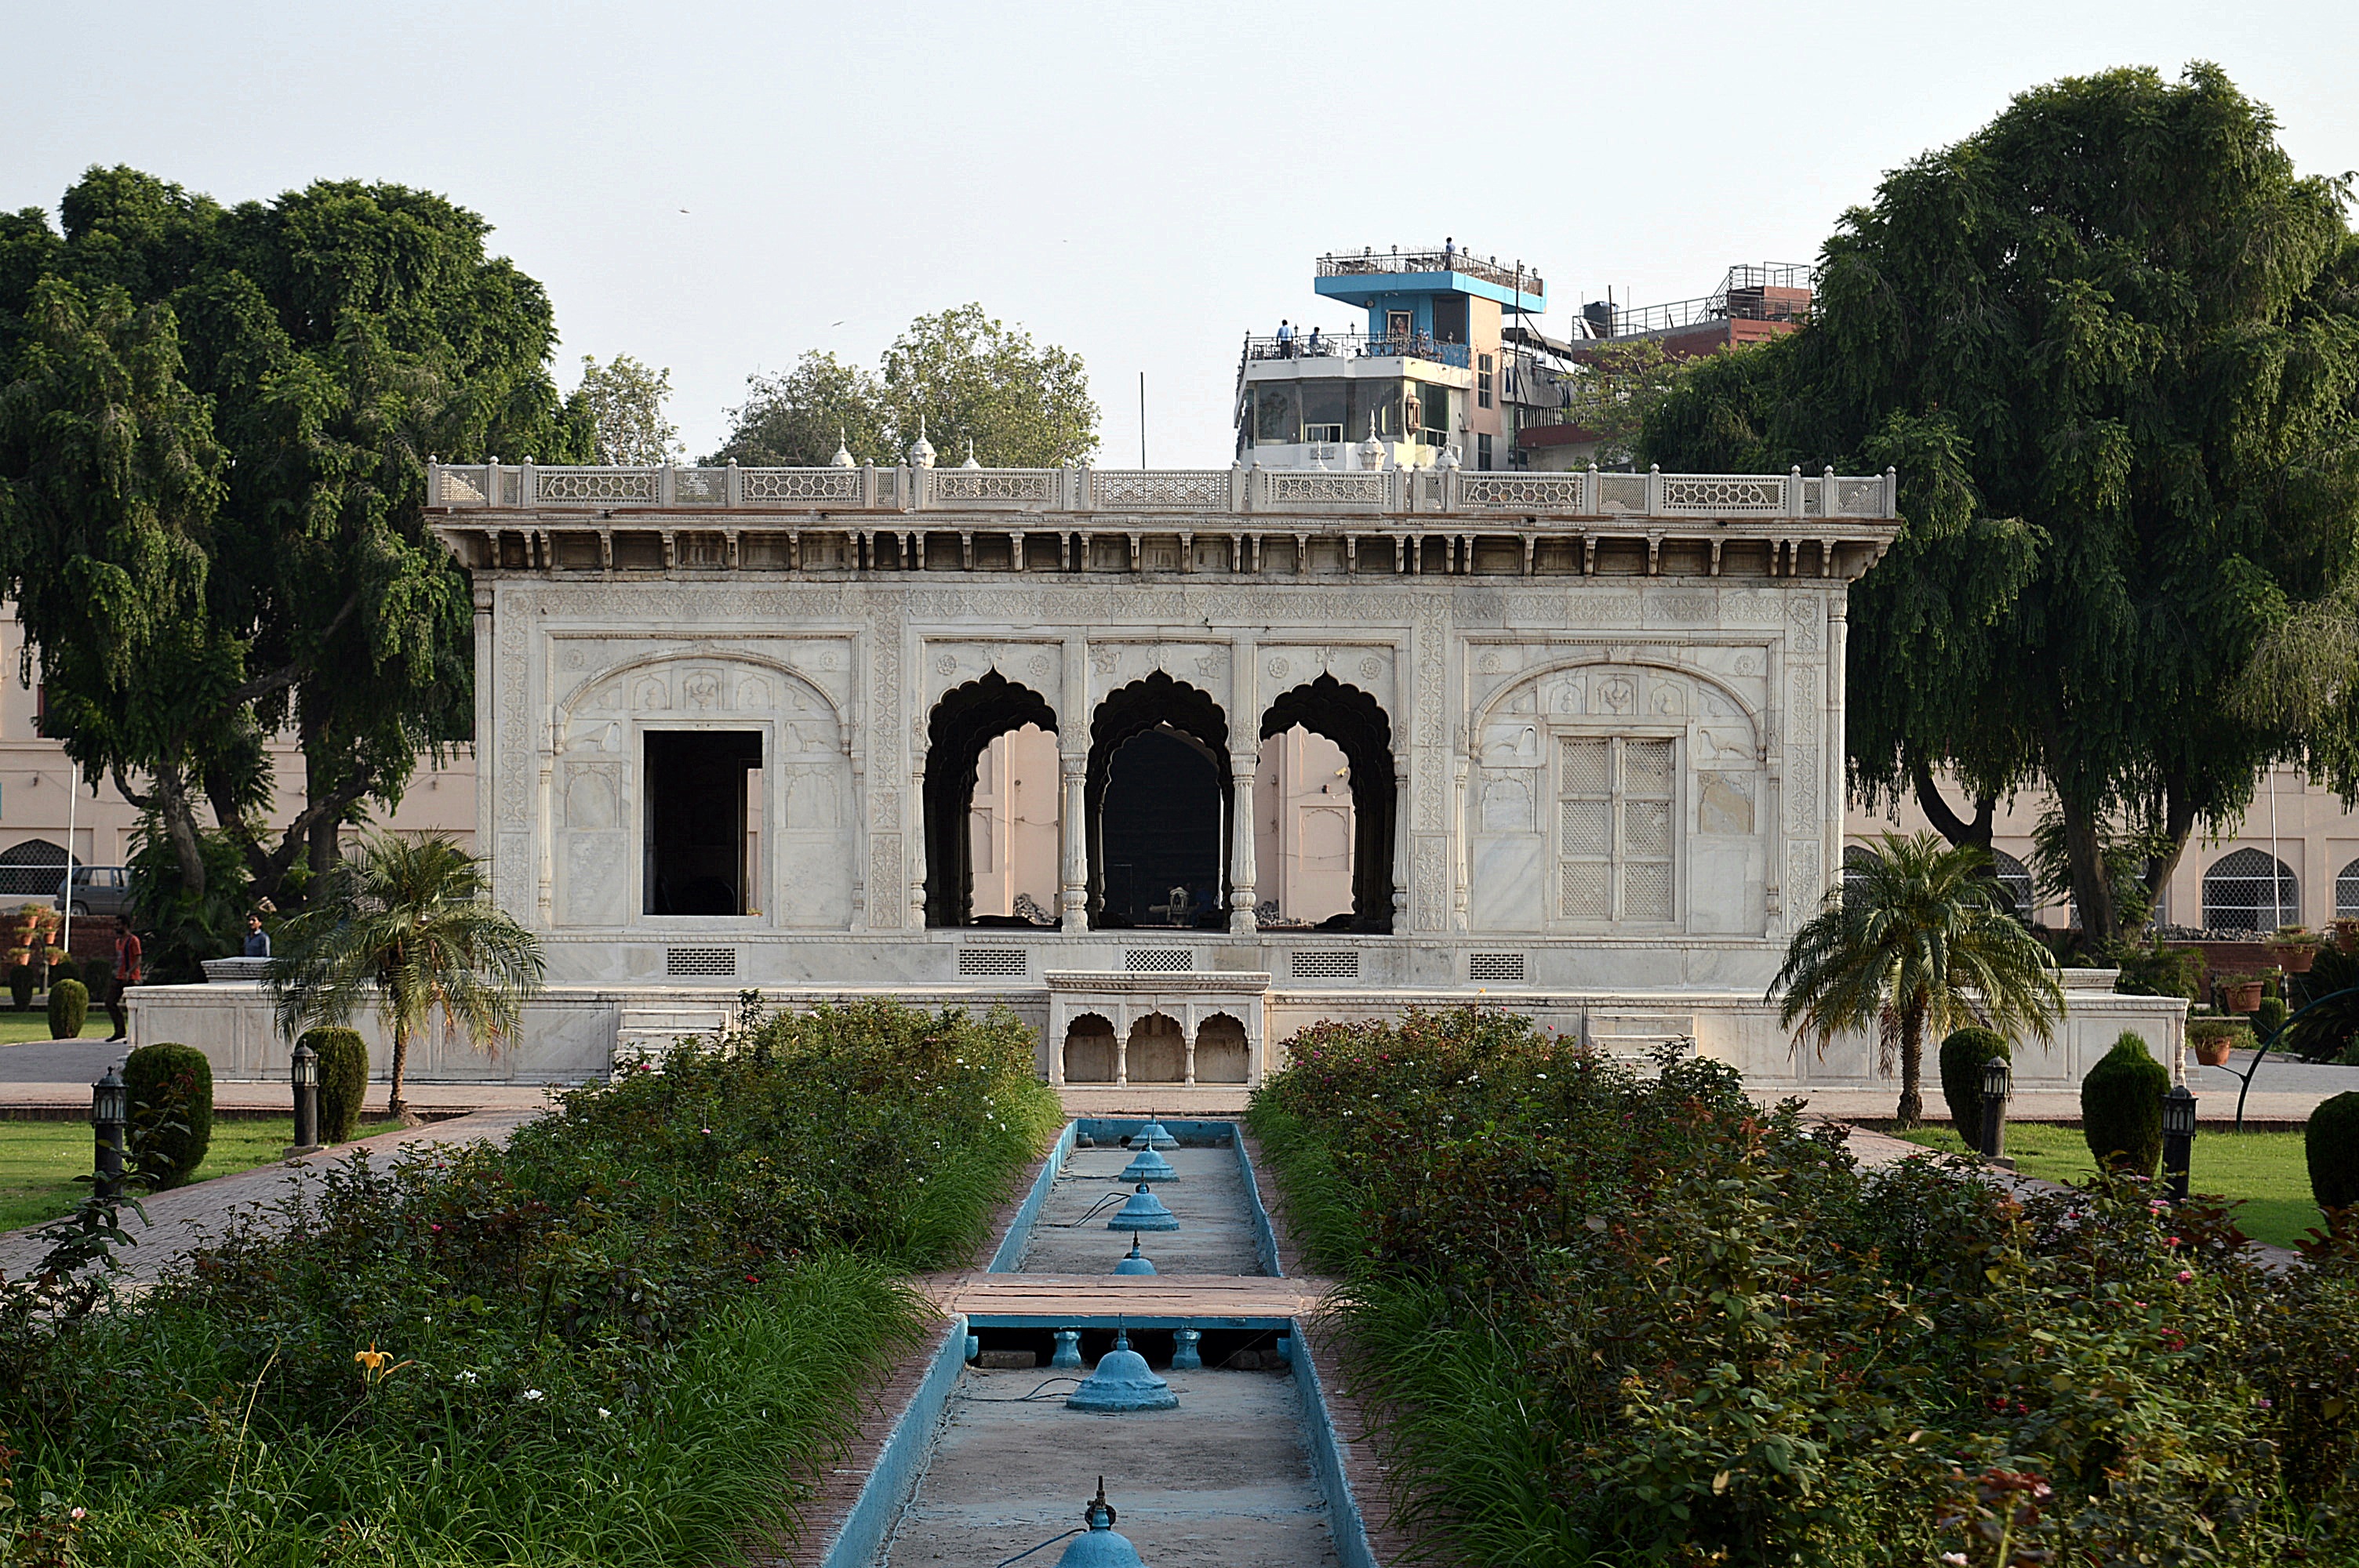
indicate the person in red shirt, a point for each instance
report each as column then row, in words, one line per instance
column 127, row 973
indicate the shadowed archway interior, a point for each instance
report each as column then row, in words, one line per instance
column 965, row 721
column 1353, row 720
column 1167, row 825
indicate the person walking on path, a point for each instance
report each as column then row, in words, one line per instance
column 127, row 954
column 257, row 940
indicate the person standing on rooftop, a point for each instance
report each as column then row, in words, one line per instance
column 1285, row 339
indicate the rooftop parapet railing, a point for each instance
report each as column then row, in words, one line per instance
column 1430, row 258
column 1771, row 291
column 1359, row 345
column 1112, row 493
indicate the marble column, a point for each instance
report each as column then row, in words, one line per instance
column 1244, row 768
column 1072, row 842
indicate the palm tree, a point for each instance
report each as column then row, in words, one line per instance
column 406, row 925
column 1917, row 939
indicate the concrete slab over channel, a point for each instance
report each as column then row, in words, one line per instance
column 1215, row 1234
column 1224, row 1480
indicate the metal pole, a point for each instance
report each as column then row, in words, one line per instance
column 1142, row 418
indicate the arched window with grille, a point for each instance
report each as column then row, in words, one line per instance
column 2346, row 893
column 2013, row 879
column 1855, row 859
column 2238, row 894
column 34, row 869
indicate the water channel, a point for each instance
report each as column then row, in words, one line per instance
column 1226, row 1478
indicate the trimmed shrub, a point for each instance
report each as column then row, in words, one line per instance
column 69, row 1005
column 22, row 984
column 1962, row 1055
column 170, row 1088
column 2331, row 1145
column 65, row 969
column 343, row 1080
column 2121, row 1106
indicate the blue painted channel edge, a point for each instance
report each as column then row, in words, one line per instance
column 1264, row 1238
column 895, row 1476
column 1019, row 1229
column 1344, row 1522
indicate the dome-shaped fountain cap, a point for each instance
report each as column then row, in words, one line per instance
column 1098, row 1546
column 1153, row 1136
column 1145, row 1211
column 1122, row 1381
column 1135, row 1261
column 1148, row 1165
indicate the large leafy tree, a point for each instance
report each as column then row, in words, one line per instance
column 2112, row 344
column 958, row 377
column 1918, row 941
column 336, row 337
column 621, row 402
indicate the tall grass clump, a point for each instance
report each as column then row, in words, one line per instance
column 632, row 1334
column 1605, row 1314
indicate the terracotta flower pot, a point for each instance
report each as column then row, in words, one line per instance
column 2212, row 1050
column 2244, row 997
column 2295, row 957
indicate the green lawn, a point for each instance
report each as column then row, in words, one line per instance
column 39, row 1160
column 16, row 1028
column 2267, row 1170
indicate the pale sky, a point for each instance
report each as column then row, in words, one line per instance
column 1142, row 183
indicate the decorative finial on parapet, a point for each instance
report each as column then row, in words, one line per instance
column 1448, row 461
column 1372, row 451
column 970, row 462
column 842, row 459
column 921, row 455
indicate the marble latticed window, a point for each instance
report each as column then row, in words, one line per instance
column 1616, row 836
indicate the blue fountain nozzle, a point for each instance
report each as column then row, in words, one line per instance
column 1144, row 1211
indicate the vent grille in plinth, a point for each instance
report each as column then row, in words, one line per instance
column 1330, row 964
column 699, row 963
column 1157, row 960
column 1505, row 968
column 991, row 961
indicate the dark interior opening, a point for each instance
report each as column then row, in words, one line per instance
column 1161, row 832
column 1158, row 807
column 696, row 819
column 964, row 724
column 1352, row 719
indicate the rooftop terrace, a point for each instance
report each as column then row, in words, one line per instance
column 1415, row 259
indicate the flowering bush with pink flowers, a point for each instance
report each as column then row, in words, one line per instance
column 1614, row 1316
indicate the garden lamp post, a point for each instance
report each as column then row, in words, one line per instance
column 306, row 1073
column 109, row 1116
column 1996, row 1082
column 2178, row 1138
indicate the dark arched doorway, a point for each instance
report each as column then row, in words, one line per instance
column 1158, row 806
column 965, row 721
column 1352, row 719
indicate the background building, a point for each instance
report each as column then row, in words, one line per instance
column 1423, row 375
column 2297, row 828
column 36, row 780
